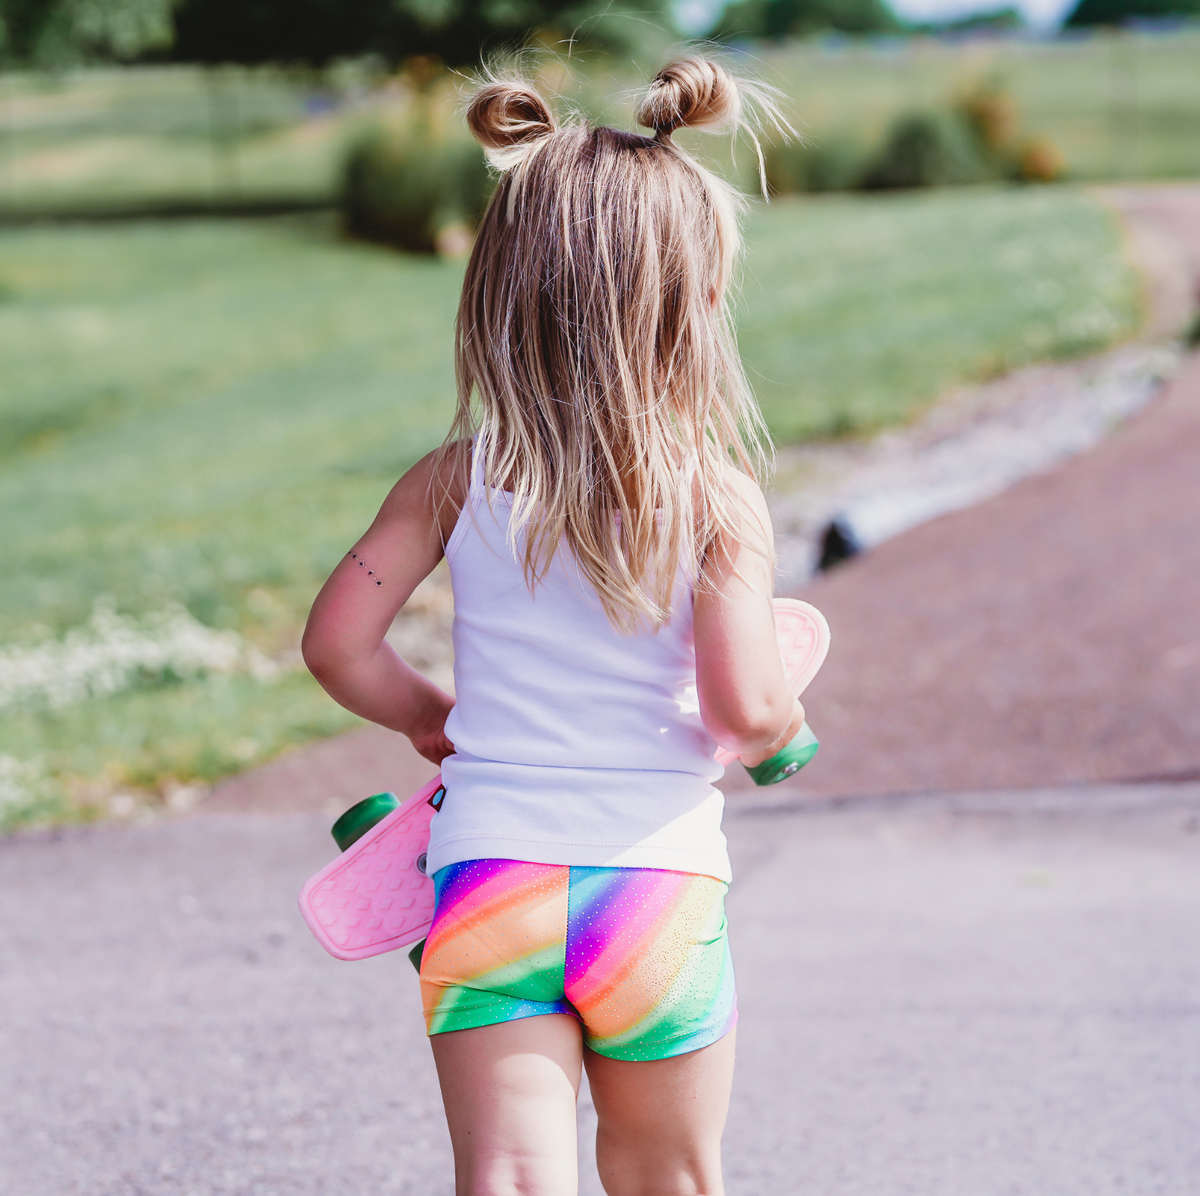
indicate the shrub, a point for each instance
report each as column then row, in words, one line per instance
column 990, row 114
column 836, row 163
column 972, row 138
column 414, row 180
column 927, row 149
column 1039, row 161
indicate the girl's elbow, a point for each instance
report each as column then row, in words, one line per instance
column 748, row 729
column 320, row 654
column 333, row 657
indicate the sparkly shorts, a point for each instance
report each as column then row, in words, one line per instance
column 638, row 955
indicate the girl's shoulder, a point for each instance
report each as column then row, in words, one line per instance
column 739, row 483
column 741, row 494
column 432, row 492
column 745, row 521
column 449, row 483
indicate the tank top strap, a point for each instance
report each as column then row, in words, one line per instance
column 475, row 486
column 475, row 498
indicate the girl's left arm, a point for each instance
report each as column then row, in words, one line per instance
column 344, row 644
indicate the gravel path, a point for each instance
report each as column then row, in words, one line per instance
column 969, row 996
column 966, row 449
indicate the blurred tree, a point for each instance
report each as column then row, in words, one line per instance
column 1117, row 12
column 996, row 20
column 790, row 18
column 45, row 33
column 926, row 149
column 316, row 32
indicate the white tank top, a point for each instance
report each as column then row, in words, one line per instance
column 574, row 744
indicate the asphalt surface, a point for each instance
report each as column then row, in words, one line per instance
column 963, row 995
column 1050, row 635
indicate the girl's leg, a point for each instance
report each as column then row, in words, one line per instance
column 661, row 1121
column 509, row 1092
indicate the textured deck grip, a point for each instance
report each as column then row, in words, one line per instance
column 374, row 898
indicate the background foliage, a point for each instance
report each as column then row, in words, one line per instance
column 313, row 33
column 1120, row 12
column 413, row 177
column 973, row 137
column 54, row 33
column 1111, row 106
column 778, row 19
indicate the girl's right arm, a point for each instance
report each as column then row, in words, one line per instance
column 344, row 642
column 745, row 701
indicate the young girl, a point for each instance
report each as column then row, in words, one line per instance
column 611, row 559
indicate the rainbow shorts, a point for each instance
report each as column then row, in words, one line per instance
column 639, row 955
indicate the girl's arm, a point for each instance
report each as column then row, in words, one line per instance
column 344, row 644
column 745, row 701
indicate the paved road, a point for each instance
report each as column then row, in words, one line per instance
column 946, row 996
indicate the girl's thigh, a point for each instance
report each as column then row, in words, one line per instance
column 660, row 1120
column 509, row 1091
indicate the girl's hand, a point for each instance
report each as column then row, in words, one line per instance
column 432, row 743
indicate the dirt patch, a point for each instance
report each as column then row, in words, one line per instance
column 1049, row 635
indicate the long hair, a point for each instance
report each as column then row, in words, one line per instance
column 595, row 359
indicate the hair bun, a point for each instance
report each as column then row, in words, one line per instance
column 691, row 93
column 505, row 113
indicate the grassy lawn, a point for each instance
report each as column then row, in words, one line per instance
column 206, row 414
column 858, row 311
column 161, row 134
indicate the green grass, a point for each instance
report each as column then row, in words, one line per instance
column 164, row 134
column 202, row 730
column 858, row 311
column 190, row 411
column 210, row 412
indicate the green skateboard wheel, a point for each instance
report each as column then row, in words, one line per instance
column 788, row 760
column 361, row 816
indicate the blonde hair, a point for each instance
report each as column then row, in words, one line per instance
column 595, row 359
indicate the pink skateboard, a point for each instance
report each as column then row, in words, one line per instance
column 376, row 897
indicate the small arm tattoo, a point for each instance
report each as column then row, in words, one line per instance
column 363, row 565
